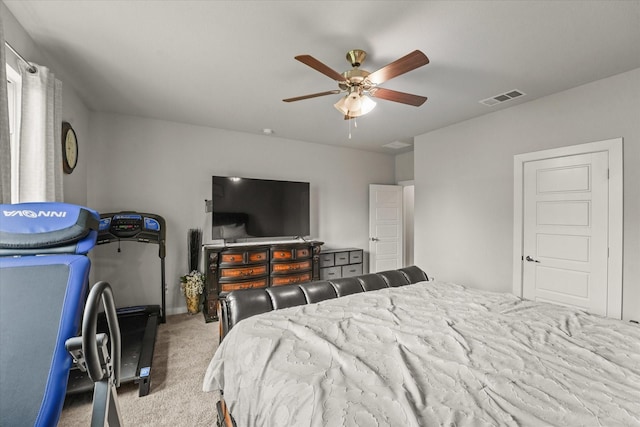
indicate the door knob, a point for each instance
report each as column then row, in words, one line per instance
column 374, row 239
column 528, row 258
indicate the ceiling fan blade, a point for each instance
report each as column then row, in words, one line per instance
column 403, row 65
column 394, row 95
column 319, row 66
column 313, row 95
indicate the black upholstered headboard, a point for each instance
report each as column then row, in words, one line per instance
column 240, row 304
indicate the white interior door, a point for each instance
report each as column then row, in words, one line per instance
column 385, row 227
column 565, row 235
column 408, row 198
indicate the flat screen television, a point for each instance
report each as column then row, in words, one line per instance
column 247, row 208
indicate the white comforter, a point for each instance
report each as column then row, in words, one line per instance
column 429, row 354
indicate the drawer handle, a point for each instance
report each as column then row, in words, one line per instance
column 248, row 273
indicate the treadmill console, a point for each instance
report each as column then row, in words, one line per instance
column 141, row 227
column 138, row 227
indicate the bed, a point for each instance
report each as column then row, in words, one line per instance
column 422, row 354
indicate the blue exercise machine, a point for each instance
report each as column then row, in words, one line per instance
column 138, row 324
column 44, row 285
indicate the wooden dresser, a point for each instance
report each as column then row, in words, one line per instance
column 259, row 265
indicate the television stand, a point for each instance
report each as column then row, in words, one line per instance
column 259, row 264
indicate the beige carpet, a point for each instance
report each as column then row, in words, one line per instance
column 184, row 346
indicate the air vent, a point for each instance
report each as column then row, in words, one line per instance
column 503, row 97
column 396, row 145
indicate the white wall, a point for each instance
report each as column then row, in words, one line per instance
column 408, row 201
column 166, row 168
column 464, row 180
column 404, row 166
column 74, row 110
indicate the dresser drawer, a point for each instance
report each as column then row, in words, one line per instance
column 290, row 267
column 342, row 258
column 248, row 284
column 355, row 257
column 239, row 258
column 291, row 279
column 327, row 260
column 284, row 254
column 330, row 273
column 229, row 274
column 302, row 253
column 351, row 270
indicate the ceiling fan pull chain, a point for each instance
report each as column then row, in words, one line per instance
column 349, row 128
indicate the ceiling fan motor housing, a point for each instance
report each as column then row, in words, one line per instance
column 356, row 57
column 355, row 77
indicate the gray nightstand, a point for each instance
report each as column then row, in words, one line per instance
column 337, row 263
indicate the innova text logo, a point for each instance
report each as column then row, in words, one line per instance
column 33, row 214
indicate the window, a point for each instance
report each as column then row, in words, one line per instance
column 14, row 86
column 35, row 170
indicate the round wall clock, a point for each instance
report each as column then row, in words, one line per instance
column 69, row 148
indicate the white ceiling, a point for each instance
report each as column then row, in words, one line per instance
column 229, row 64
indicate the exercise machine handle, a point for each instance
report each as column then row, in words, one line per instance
column 101, row 290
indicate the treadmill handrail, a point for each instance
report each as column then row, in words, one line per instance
column 101, row 290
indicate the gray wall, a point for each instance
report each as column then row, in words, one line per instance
column 404, row 166
column 165, row 168
column 464, row 180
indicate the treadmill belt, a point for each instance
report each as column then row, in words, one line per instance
column 132, row 330
column 138, row 328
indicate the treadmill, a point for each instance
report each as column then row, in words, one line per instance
column 138, row 324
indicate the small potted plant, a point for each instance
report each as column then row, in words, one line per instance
column 192, row 284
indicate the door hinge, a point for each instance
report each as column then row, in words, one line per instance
column 607, row 173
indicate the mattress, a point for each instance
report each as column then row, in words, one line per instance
column 428, row 354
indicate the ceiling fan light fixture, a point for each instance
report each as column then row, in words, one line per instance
column 352, row 101
column 355, row 104
column 349, row 102
column 367, row 104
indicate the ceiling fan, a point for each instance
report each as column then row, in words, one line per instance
column 359, row 84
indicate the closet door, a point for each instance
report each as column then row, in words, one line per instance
column 385, row 227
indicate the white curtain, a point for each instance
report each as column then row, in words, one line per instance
column 40, row 164
column 5, row 142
